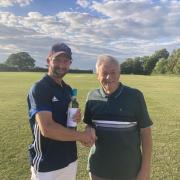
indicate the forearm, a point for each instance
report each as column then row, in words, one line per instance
column 58, row 132
column 53, row 130
column 146, row 147
column 146, row 139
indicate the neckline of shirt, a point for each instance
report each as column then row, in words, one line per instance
column 52, row 82
column 115, row 94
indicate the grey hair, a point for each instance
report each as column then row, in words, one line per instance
column 104, row 58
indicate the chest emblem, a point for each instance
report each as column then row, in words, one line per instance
column 54, row 99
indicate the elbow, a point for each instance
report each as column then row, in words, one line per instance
column 46, row 131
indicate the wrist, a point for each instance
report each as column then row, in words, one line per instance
column 80, row 136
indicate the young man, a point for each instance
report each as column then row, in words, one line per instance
column 119, row 115
column 53, row 153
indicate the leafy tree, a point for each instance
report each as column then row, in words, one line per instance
column 127, row 66
column 132, row 66
column 21, row 60
column 162, row 53
column 174, row 62
column 138, row 66
column 150, row 62
column 145, row 61
column 161, row 66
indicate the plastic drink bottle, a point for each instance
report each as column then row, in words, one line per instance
column 72, row 109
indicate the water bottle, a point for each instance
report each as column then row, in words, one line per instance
column 72, row 109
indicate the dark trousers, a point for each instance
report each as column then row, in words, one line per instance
column 94, row 177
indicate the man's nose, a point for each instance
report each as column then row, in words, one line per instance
column 107, row 76
column 63, row 63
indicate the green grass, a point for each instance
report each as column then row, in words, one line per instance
column 162, row 94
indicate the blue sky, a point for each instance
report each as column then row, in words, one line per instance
column 121, row 28
column 45, row 7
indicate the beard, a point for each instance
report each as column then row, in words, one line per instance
column 59, row 72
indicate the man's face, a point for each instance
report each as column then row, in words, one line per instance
column 108, row 76
column 59, row 66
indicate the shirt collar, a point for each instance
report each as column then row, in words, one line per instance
column 52, row 82
column 115, row 94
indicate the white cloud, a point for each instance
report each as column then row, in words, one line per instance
column 140, row 19
column 10, row 47
column 83, row 3
column 8, row 19
column 123, row 29
column 7, row 3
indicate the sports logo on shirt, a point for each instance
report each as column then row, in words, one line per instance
column 54, row 99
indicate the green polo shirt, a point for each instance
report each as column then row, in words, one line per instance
column 117, row 119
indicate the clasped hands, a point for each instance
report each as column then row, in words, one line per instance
column 88, row 136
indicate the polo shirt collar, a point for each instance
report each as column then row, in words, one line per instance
column 52, row 82
column 115, row 94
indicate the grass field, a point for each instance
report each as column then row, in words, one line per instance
column 162, row 94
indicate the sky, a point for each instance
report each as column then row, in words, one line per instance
column 120, row 28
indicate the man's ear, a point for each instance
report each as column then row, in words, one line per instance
column 48, row 60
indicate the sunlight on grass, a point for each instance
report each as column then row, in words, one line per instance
column 162, row 94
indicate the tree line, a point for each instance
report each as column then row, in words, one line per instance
column 22, row 61
column 160, row 62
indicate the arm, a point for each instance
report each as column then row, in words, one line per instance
column 146, row 138
column 93, row 134
column 50, row 129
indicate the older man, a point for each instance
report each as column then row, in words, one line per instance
column 53, row 153
column 120, row 117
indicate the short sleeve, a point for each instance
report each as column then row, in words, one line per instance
column 39, row 99
column 87, row 113
column 142, row 114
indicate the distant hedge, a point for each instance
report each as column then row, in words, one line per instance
column 6, row 68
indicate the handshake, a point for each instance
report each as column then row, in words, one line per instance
column 88, row 137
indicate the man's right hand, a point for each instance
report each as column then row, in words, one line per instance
column 88, row 137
